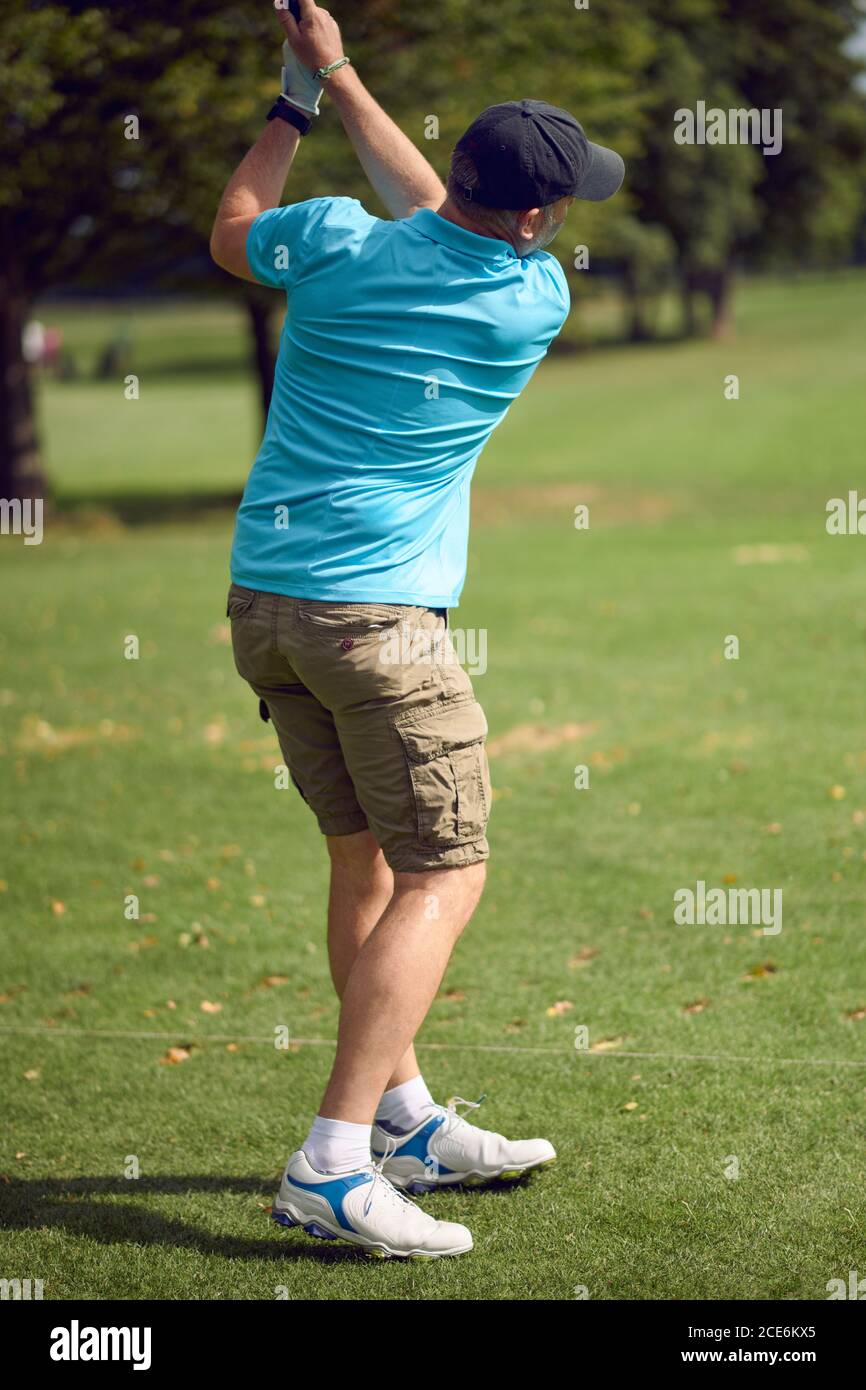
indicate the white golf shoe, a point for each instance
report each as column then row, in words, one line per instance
column 445, row 1150
column 364, row 1209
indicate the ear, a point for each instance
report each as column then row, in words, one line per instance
column 527, row 226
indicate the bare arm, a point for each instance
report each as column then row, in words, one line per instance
column 256, row 184
column 395, row 167
column 397, row 170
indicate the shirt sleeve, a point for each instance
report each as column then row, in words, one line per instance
column 284, row 243
column 559, row 287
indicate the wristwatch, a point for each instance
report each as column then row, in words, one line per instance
column 284, row 110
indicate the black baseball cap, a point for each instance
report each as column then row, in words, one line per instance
column 528, row 154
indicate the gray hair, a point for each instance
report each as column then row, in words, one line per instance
column 501, row 221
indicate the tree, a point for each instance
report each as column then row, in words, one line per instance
column 122, row 124
column 723, row 202
column 114, row 131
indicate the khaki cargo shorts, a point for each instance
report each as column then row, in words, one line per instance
column 377, row 721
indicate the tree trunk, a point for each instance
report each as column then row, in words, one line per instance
column 687, row 301
column 637, row 331
column 260, row 312
column 21, row 473
column 720, row 290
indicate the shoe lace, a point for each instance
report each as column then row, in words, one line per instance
column 453, row 1117
column 380, row 1181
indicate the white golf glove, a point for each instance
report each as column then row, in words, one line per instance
column 299, row 84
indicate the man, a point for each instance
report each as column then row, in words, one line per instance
column 405, row 342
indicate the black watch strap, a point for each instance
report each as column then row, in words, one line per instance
column 283, row 110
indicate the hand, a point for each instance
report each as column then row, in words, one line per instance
column 316, row 41
column 299, row 85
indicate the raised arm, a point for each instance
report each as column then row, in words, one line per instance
column 256, row 184
column 398, row 171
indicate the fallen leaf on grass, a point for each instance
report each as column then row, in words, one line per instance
column 144, row 944
column 9, row 994
column 33, row 1074
column 194, row 938
column 209, row 1008
column 58, row 909
column 607, row 1044
column 856, row 1015
column 630, row 1105
column 562, row 1006
column 583, row 957
column 758, row 972
column 175, row 1056
column 697, row 1007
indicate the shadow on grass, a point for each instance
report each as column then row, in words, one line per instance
column 143, row 508
column 68, row 1204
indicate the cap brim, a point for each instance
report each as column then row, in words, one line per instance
column 604, row 176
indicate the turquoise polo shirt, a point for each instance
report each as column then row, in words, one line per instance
column 403, row 346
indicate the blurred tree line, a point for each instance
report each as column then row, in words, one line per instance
column 82, row 203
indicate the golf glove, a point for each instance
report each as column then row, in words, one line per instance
column 299, row 84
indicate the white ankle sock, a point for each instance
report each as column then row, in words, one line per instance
column 405, row 1106
column 336, row 1146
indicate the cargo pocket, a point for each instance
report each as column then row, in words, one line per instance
column 447, row 763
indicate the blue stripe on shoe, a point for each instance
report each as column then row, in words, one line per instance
column 417, row 1146
column 335, row 1193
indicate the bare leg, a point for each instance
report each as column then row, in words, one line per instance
column 361, row 888
column 392, row 984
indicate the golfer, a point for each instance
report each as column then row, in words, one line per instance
column 404, row 344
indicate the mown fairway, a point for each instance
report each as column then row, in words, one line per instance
column 717, row 1049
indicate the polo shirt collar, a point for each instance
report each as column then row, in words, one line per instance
column 483, row 248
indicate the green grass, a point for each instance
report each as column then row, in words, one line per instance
column 155, row 778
